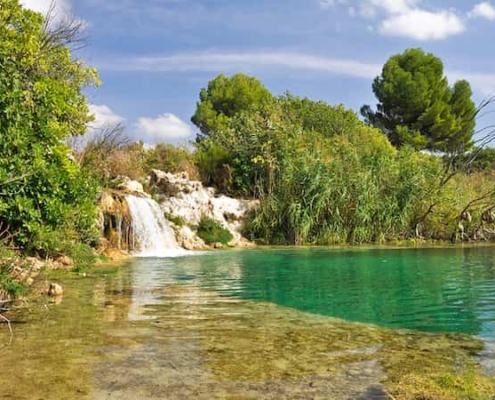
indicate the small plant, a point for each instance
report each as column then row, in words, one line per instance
column 83, row 257
column 212, row 232
column 176, row 219
column 10, row 287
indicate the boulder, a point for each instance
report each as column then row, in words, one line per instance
column 187, row 239
column 127, row 185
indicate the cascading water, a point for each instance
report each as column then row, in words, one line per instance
column 151, row 233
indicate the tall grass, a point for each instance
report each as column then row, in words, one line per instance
column 352, row 188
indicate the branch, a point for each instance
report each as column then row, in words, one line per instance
column 17, row 178
column 5, row 319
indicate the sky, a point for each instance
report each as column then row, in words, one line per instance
column 154, row 56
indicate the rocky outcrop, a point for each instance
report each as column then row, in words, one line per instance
column 114, row 221
column 180, row 197
column 188, row 239
column 127, row 185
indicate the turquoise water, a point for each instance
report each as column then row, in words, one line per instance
column 436, row 290
column 252, row 324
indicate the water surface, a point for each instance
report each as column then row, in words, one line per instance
column 288, row 323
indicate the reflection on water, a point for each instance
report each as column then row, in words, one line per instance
column 252, row 324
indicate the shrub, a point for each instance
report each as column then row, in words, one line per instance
column 169, row 158
column 175, row 219
column 212, row 232
column 110, row 153
column 8, row 285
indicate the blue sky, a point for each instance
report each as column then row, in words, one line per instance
column 154, row 56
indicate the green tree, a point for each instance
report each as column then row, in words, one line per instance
column 417, row 106
column 42, row 191
column 224, row 98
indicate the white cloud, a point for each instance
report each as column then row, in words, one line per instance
column 423, row 25
column 105, row 117
column 390, row 6
column 260, row 60
column 164, row 128
column 61, row 9
column 236, row 61
column 412, row 19
column 483, row 10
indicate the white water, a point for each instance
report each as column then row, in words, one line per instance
column 152, row 234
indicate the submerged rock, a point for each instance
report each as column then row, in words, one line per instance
column 55, row 290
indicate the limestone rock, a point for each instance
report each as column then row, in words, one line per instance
column 65, row 261
column 187, row 239
column 55, row 290
column 127, row 185
column 191, row 201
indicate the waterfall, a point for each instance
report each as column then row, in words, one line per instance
column 151, row 233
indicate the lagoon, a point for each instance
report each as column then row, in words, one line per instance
column 271, row 323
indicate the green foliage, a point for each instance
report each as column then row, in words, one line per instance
column 418, row 108
column 224, row 98
column 241, row 153
column 319, row 116
column 83, row 256
column 169, row 158
column 322, row 176
column 350, row 188
column 212, row 232
column 476, row 160
column 175, row 219
column 41, row 105
column 10, row 286
column 213, row 161
column 109, row 154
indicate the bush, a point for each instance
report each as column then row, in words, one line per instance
column 110, row 153
column 212, row 232
column 175, row 219
column 174, row 159
column 8, row 285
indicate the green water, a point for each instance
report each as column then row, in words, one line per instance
column 437, row 289
column 282, row 323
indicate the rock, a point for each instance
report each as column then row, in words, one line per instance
column 126, row 184
column 217, row 245
column 187, row 239
column 65, row 261
column 173, row 184
column 55, row 290
column 106, row 202
column 191, row 201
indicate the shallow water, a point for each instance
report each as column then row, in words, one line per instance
column 252, row 324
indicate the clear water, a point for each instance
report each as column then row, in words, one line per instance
column 252, row 324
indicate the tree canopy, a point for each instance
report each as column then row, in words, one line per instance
column 417, row 106
column 224, row 98
column 41, row 104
